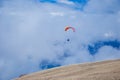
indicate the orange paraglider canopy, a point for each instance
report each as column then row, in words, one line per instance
column 69, row 27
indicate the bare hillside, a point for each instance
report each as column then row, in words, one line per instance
column 105, row 70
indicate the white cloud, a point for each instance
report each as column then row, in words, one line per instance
column 66, row 2
column 57, row 13
column 107, row 53
column 104, row 6
column 31, row 32
column 109, row 34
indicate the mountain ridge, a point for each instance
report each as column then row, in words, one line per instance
column 103, row 70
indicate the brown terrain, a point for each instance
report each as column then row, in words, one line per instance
column 104, row 70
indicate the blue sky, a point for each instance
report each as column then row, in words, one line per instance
column 32, row 36
column 75, row 4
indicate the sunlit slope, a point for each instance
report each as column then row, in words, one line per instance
column 104, row 70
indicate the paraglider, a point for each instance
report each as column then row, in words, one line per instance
column 69, row 28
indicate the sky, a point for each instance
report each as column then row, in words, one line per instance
column 32, row 36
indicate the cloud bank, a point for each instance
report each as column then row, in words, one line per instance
column 32, row 35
